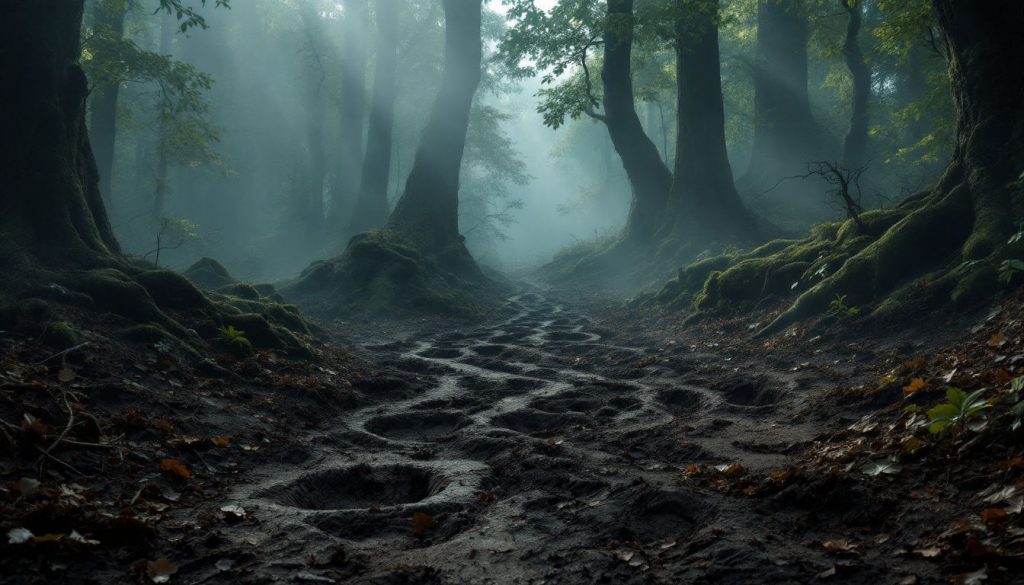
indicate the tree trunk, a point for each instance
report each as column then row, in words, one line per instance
column 785, row 134
column 51, row 210
column 352, row 112
column 856, row 143
column 703, row 196
column 427, row 213
column 372, row 204
column 648, row 175
column 964, row 224
column 103, row 127
column 167, row 28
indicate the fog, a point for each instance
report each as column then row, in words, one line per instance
column 247, row 144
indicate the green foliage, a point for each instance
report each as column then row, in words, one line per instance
column 232, row 336
column 187, row 16
column 1009, row 269
column 840, row 310
column 958, row 410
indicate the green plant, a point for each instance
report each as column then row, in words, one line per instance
column 1017, row 395
column 959, row 408
column 840, row 310
column 233, row 336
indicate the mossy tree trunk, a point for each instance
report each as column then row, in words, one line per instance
column 103, row 121
column 428, row 212
column 856, row 142
column 971, row 213
column 786, row 135
column 371, row 209
column 352, row 114
column 648, row 174
column 51, row 210
column 704, row 198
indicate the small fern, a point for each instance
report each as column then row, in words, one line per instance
column 233, row 336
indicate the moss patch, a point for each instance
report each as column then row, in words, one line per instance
column 60, row 335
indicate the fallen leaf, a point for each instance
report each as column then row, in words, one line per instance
column 160, row 570
column 233, row 512
column 28, row 487
column 19, row 536
column 421, row 522
column 912, row 444
column 827, row 573
column 221, row 442
column 76, row 537
column 839, row 545
column 997, row 340
column 782, row 475
column 915, row 385
column 163, row 424
column 730, row 469
column 66, row 375
column 993, row 516
column 692, row 469
column 929, row 553
column 881, row 468
column 974, row 578
column 175, row 467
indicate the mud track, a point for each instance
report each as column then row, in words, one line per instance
column 544, row 452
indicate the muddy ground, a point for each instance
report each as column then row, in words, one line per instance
column 561, row 443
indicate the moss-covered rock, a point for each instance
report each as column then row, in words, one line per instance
column 171, row 290
column 60, row 335
column 209, row 274
column 147, row 333
column 241, row 290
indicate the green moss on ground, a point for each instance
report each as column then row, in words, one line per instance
column 384, row 274
column 60, row 335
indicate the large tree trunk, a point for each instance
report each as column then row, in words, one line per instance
column 51, row 210
column 856, row 143
column 963, row 226
column 428, row 212
column 103, row 127
column 786, row 136
column 352, row 112
column 310, row 203
column 704, row 198
column 648, row 175
column 372, row 203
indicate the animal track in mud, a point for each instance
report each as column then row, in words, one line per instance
column 529, row 420
column 423, row 426
column 682, row 399
column 750, row 392
column 359, row 488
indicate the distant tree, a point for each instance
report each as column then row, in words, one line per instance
column 856, row 143
column 786, row 135
column 352, row 115
column 371, row 209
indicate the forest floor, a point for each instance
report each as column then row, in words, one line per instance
column 563, row 442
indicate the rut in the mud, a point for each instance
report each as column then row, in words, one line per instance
column 541, row 450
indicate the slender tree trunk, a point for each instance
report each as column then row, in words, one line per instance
column 427, row 213
column 705, row 200
column 856, row 143
column 785, row 133
column 103, row 127
column 648, row 175
column 51, row 210
column 372, row 204
column 167, row 28
column 352, row 111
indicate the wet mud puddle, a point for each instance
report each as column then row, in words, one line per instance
column 536, row 450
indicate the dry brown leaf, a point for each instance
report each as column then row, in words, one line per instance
column 997, row 340
column 221, row 442
column 993, row 516
column 175, row 467
column 915, row 385
column 160, row 570
column 163, row 424
column 782, row 475
column 912, row 444
column 66, row 375
column 692, row 469
column 839, row 545
column 421, row 523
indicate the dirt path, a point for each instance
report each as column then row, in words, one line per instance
column 540, row 450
